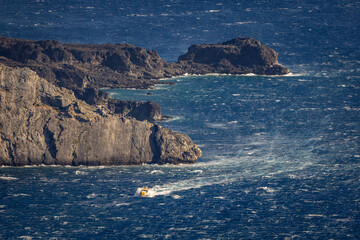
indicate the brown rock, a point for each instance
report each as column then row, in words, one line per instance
column 41, row 123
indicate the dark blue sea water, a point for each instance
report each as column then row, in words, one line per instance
column 281, row 155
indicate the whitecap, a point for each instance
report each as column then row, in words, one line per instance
column 314, row 215
column 8, row 178
column 26, row 237
column 176, row 196
column 174, row 118
column 137, row 15
column 78, row 172
column 216, row 125
column 21, row 195
column 212, row 11
column 266, row 189
column 217, row 74
column 150, row 236
column 239, row 23
column 293, row 75
column 122, row 204
column 92, row 195
column 343, row 220
column 196, row 171
column 220, row 197
column 159, row 87
column 117, row 218
column 249, row 74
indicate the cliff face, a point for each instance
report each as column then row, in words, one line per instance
column 41, row 123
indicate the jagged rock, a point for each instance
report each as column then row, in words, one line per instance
column 41, row 123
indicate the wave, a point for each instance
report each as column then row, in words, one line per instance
column 213, row 11
column 173, row 118
column 217, row 125
column 238, row 23
column 21, row 195
column 187, row 75
column 8, row 178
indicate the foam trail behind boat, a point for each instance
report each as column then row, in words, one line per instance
column 167, row 189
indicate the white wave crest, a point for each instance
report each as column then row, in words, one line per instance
column 8, row 178
column 156, row 172
column 193, row 183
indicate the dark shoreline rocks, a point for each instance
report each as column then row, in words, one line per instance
column 53, row 112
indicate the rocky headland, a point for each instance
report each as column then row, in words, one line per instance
column 53, row 112
column 41, row 123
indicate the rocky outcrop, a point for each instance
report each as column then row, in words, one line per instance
column 41, row 123
column 86, row 68
column 53, row 112
column 237, row 56
column 77, row 66
column 170, row 143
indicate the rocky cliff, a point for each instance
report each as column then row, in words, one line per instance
column 41, row 123
column 53, row 112
column 86, row 68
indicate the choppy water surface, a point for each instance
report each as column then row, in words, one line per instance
column 281, row 154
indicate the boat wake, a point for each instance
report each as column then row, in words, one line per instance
column 198, row 182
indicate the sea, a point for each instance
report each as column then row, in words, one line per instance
column 281, row 154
